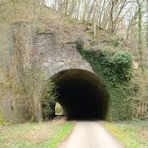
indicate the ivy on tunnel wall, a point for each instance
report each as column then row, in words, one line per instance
column 114, row 68
column 48, row 100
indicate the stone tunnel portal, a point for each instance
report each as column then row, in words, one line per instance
column 81, row 95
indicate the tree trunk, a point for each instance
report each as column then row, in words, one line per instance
column 140, row 47
column 147, row 27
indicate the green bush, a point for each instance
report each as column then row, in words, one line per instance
column 1, row 119
column 116, row 65
column 48, row 100
column 114, row 68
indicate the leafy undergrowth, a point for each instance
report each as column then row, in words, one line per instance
column 132, row 134
column 35, row 135
column 1, row 120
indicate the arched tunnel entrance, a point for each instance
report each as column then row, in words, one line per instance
column 81, row 95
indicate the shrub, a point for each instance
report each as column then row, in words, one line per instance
column 1, row 119
column 48, row 100
column 114, row 68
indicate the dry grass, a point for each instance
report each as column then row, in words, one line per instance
column 34, row 135
column 143, row 134
column 132, row 134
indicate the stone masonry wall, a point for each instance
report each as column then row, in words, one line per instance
column 46, row 49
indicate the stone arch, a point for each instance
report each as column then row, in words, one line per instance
column 82, row 94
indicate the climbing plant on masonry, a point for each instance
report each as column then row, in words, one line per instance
column 114, row 68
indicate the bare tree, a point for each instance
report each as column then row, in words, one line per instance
column 147, row 27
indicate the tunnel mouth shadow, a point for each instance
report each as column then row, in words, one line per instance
column 83, row 119
column 60, row 117
column 82, row 95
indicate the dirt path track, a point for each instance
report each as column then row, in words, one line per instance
column 90, row 135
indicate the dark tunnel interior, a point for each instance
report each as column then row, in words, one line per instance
column 81, row 95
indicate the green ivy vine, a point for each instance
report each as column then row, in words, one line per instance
column 114, row 68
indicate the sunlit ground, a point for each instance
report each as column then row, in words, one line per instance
column 34, row 135
column 132, row 134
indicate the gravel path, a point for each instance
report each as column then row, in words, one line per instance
column 90, row 135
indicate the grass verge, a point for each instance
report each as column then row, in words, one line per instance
column 132, row 134
column 35, row 135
